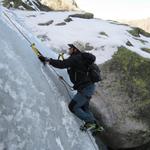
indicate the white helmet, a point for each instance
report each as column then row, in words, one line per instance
column 78, row 45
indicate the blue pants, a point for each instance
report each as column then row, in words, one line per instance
column 80, row 104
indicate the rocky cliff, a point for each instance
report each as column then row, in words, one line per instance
column 60, row 4
column 43, row 5
column 122, row 101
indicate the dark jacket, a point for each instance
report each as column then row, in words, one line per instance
column 76, row 68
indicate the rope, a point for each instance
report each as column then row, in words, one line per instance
column 62, row 79
column 93, row 143
column 66, row 89
column 64, row 82
column 17, row 28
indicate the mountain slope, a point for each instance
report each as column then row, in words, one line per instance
column 33, row 110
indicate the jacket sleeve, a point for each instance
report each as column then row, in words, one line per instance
column 61, row 63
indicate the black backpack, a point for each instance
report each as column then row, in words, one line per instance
column 92, row 69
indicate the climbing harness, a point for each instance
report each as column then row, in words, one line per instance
column 61, row 56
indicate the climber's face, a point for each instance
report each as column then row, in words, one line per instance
column 71, row 50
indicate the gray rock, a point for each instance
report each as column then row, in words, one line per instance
column 46, row 23
column 88, row 47
column 84, row 15
column 128, row 43
column 61, row 24
column 68, row 19
column 103, row 33
column 43, row 37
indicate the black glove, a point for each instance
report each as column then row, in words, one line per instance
column 43, row 59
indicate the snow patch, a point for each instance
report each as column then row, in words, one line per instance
column 78, row 30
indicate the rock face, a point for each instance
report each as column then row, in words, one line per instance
column 122, row 102
column 60, row 4
column 43, row 5
column 26, row 5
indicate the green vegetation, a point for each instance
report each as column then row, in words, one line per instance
column 146, row 49
column 103, row 33
column 134, row 72
column 144, row 103
column 137, row 31
column 117, row 23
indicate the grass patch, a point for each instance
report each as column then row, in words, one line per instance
column 134, row 73
column 144, row 103
column 117, row 23
column 137, row 31
column 146, row 49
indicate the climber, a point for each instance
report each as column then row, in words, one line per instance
column 77, row 71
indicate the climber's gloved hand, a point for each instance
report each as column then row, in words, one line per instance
column 44, row 59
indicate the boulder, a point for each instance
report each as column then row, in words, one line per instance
column 68, row 19
column 122, row 100
column 60, row 4
column 46, row 23
column 61, row 24
column 83, row 15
